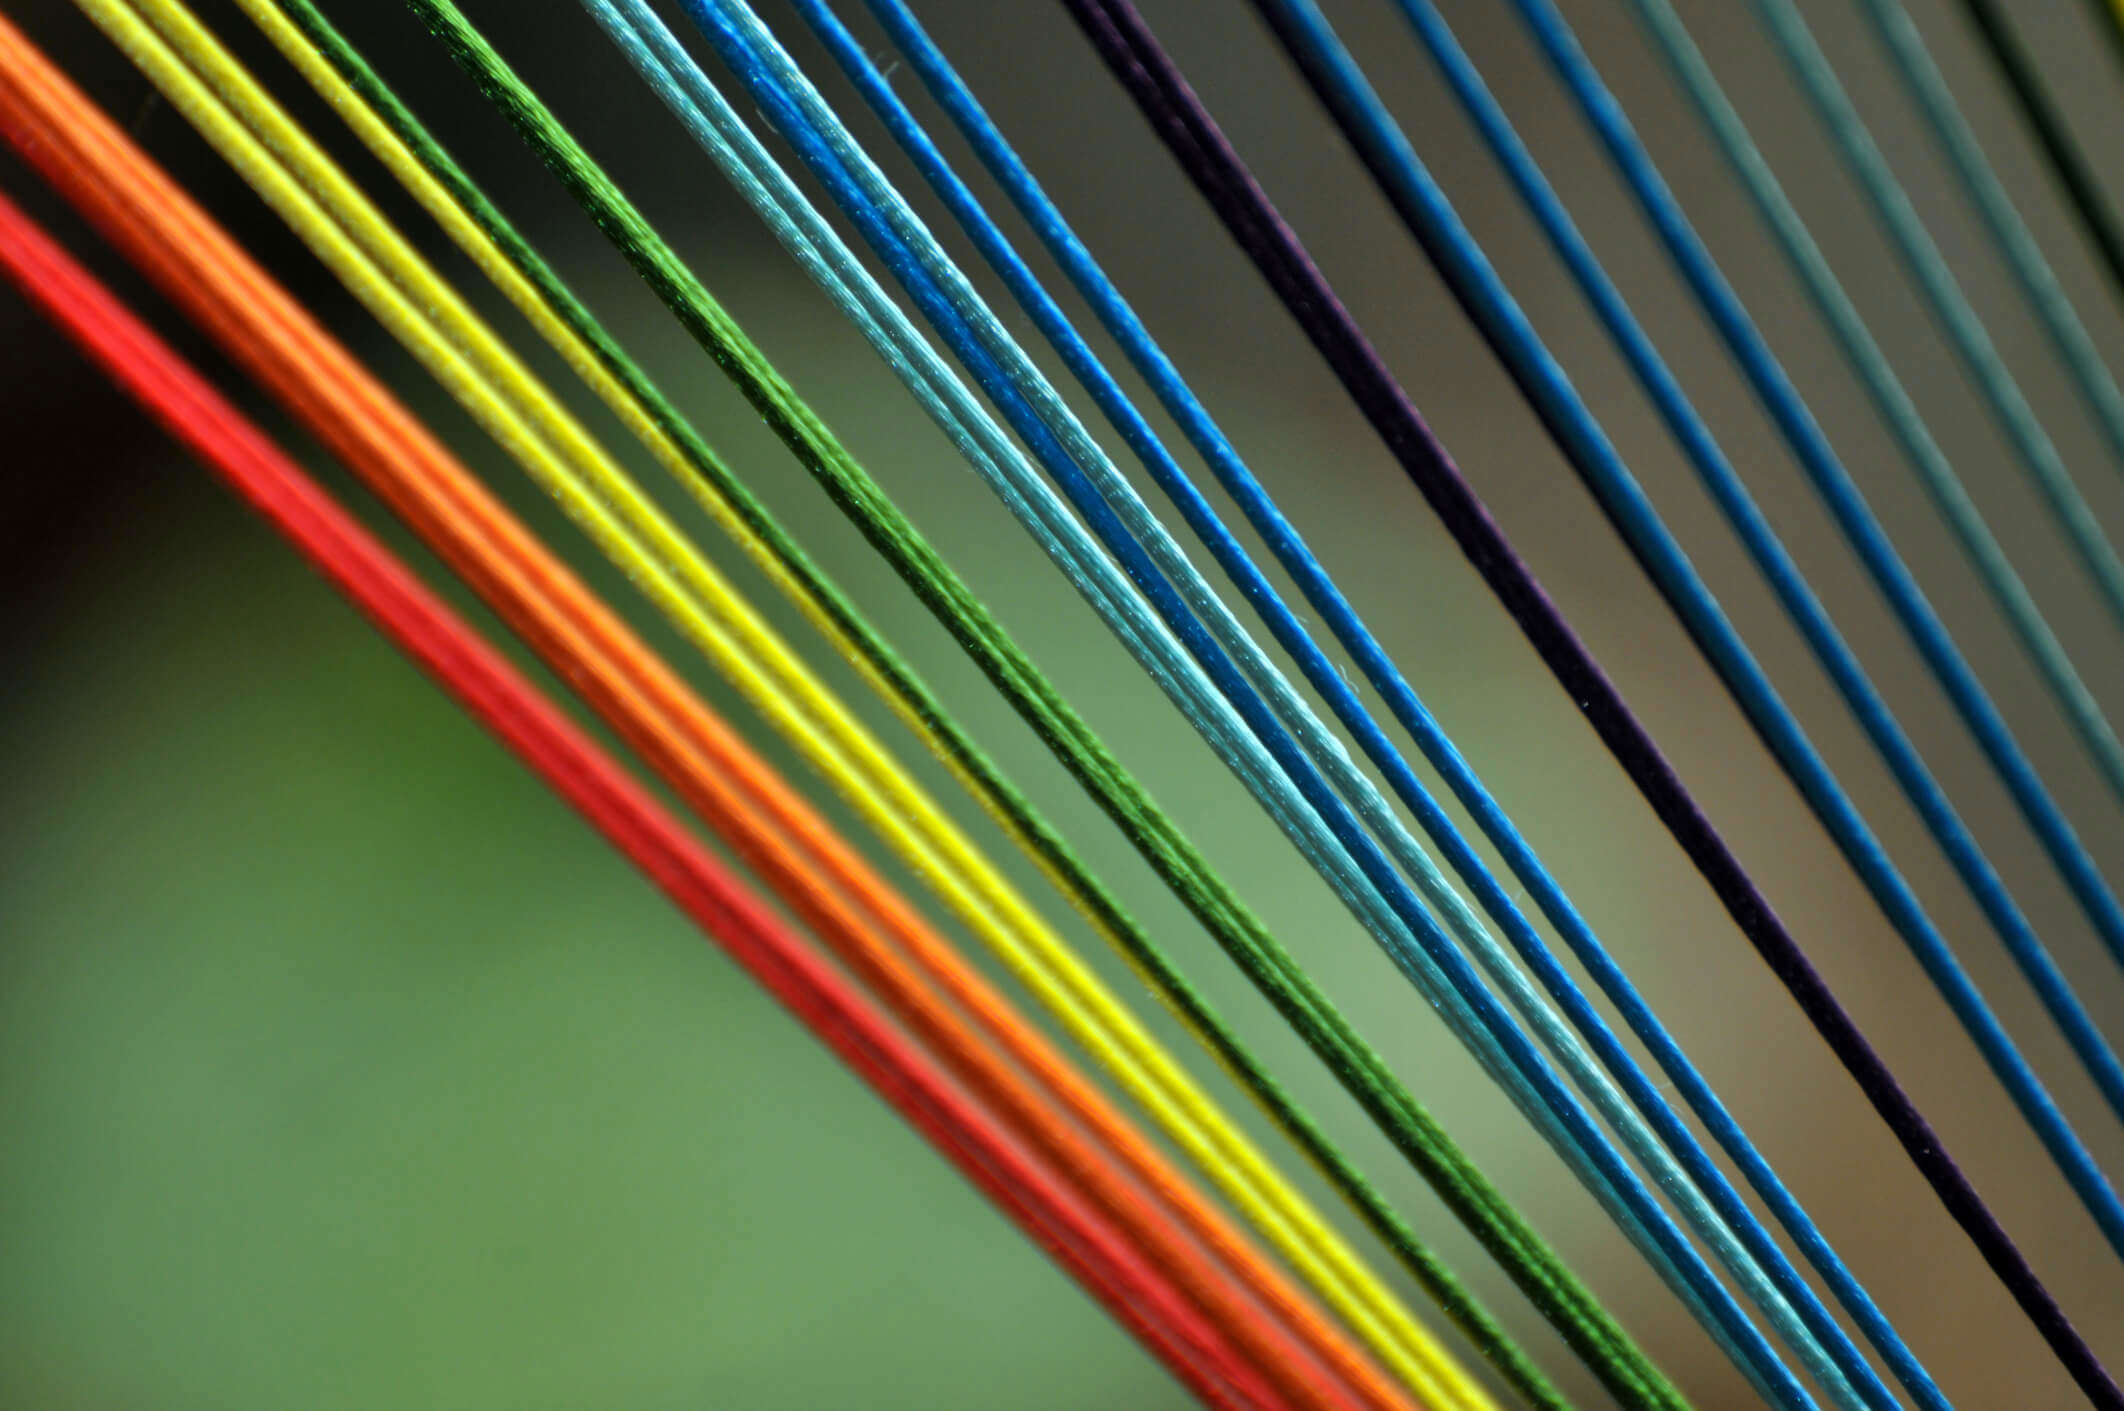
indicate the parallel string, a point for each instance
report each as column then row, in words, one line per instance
column 1297, row 741
column 1423, row 207
column 1143, row 68
column 2067, row 162
column 1518, row 1249
column 1139, row 1294
column 560, row 455
column 953, row 95
column 395, row 136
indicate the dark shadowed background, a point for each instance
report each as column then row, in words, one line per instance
column 341, row 1067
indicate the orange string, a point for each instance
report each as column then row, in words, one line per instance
column 816, row 873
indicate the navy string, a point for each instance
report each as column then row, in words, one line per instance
column 1422, row 205
column 780, row 109
column 1117, row 32
column 1003, row 163
column 1863, row 530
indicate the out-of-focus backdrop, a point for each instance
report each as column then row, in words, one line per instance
column 341, row 1067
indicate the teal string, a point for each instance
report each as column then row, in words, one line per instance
column 2002, row 218
column 1943, row 295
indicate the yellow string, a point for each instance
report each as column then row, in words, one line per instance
column 424, row 313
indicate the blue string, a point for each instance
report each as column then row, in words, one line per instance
column 819, row 251
column 766, row 86
column 1867, row 538
column 1870, row 541
column 1002, row 162
column 1502, row 322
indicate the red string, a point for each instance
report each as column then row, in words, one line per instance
column 523, row 718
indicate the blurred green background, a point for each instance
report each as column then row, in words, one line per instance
column 340, row 1066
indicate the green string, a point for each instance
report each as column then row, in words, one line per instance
column 1554, row 1289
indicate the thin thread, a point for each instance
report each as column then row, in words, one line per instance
column 1890, row 399
column 1943, row 295
column 678, row 447
column 1117, row 32
column 1120, row 321
column 511, row 405
column 2002, row 221
column 2068, row 164
column 528, row 723
column 1098, row 492
column 1422, row 206
column 1532, row 1266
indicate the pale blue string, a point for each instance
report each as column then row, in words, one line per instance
column 1430, row 941
column 1864, row 530
column 1010, row 172
column 1943, row 294
column 1466, row 269
column 2003, row 219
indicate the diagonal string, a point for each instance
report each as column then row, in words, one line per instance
column 1095, row 488
column 1531, row 1265
column 1041, row 214
column 1118, row 34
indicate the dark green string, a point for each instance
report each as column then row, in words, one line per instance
column 1532, row 1264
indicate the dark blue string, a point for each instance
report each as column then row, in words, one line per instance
column 952, row 94
column 766, row 90
column 1460, row 260
column 1870, row 541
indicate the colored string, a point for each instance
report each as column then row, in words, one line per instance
column 559, row 454
column 1423, row 207
column 1040, row 213
column 1290, row 633
column 583, row 342
column 522, row 718
column 993, row 456
column 1944, row 297
column 1502, row 1232
column 1890, row 399
column 1418, row 200
column 2002, row 220
column 1147, row 73
column 1926, row 630
column 577, row 353
column 982, row 345
column 713, row 771
column 2068, row 164
column 1381, row 1095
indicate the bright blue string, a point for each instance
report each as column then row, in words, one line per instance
column 820, row 252
column 765, row 83
column 1870, row 541
column 1461, row 260
column 955, row 98
column 1002, row 162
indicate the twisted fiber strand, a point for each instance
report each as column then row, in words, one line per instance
column 1863, row 530
column 523, row 423
column 1105, row 498
column 952, row 93
column 1890, row 399
column 1143, row 68
column 1949, row 306
column 1418, row 199
column 570, row 326
column 2068, row 165
column 597, row 786
column 1383, row 1097
column 2002, row 219
column 1326, row 753
column 872, row 928
column 993, row 457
